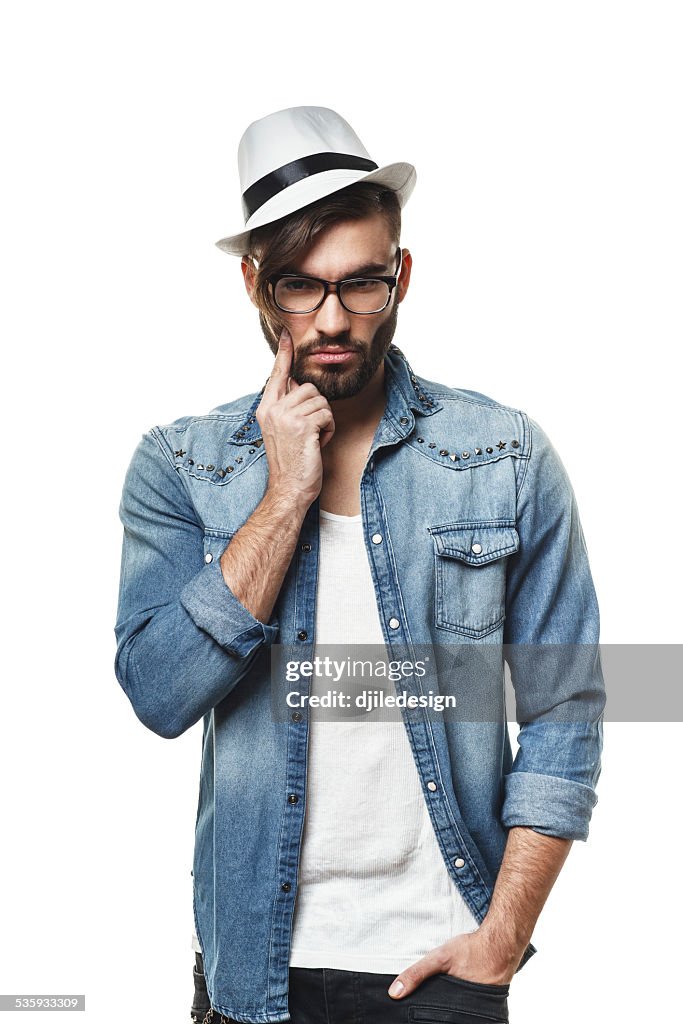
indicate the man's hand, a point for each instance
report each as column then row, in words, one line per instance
column 491, row 955
column 471, row 956
column 296, row 422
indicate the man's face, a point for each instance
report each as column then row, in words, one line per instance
column 347, row 249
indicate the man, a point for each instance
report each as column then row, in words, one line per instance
column 349, row 870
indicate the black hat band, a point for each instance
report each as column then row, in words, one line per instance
column 275, row 181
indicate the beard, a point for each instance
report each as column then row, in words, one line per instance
column 336, row 381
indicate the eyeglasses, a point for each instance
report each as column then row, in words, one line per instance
column 297, row 293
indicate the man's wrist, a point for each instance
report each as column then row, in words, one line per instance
column 286, row 502
column 504, row 942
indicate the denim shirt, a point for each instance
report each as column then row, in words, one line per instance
column 473, row 537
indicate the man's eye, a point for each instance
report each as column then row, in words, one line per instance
column 298, row 285
column 361, row 284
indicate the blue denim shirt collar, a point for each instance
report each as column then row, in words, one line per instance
column 404, row 391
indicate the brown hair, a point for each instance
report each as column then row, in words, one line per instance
column 277, row 245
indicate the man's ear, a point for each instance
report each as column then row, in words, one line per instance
column 404, row 276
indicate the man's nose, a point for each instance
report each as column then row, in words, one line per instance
column 332, row 318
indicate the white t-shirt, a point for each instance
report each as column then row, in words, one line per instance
column 373, row 893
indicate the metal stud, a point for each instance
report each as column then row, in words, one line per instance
column 239, row 459
column 515, row 444
column 477, row 451
column 210, row 468
column 420, row 439
column 230, row 468
column 465, row 455
column 251, row 451
column 500, row 445
column 432, row 444
column 489, row 450
column 443, row 451
column 454, row 457
column 221, row 473
column 179, row 454
column 259, row 442
column 190, row 462
column 199, row 466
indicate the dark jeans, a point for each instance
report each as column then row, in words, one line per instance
column 321, row 995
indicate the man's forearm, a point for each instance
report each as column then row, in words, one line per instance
column 531, row 864
column 256, row 560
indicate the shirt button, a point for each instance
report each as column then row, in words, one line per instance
column 459, row 862
column 377, row 538
column 394, row 623
column 286, row 886
column 302, row 635
column 296, row 716
column 208, row 557
column 293, row 798
column 432, row 786
column 305, row 547
column 404, row 419
column 476, row 549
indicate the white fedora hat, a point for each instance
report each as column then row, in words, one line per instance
column 293, row 157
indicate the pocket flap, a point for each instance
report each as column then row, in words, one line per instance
column 475, row 543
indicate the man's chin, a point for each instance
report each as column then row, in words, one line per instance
column 333, row 383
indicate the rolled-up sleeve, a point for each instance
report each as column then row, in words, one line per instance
column 551, row 639
column 216, row 610
column 184, row 640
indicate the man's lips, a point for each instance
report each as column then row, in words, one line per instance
column 332, row 355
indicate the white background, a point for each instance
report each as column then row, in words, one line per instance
column 546, row 230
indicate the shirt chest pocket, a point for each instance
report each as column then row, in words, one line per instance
column 470, row 563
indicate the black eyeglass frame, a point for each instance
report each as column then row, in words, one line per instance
column 391, row 281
